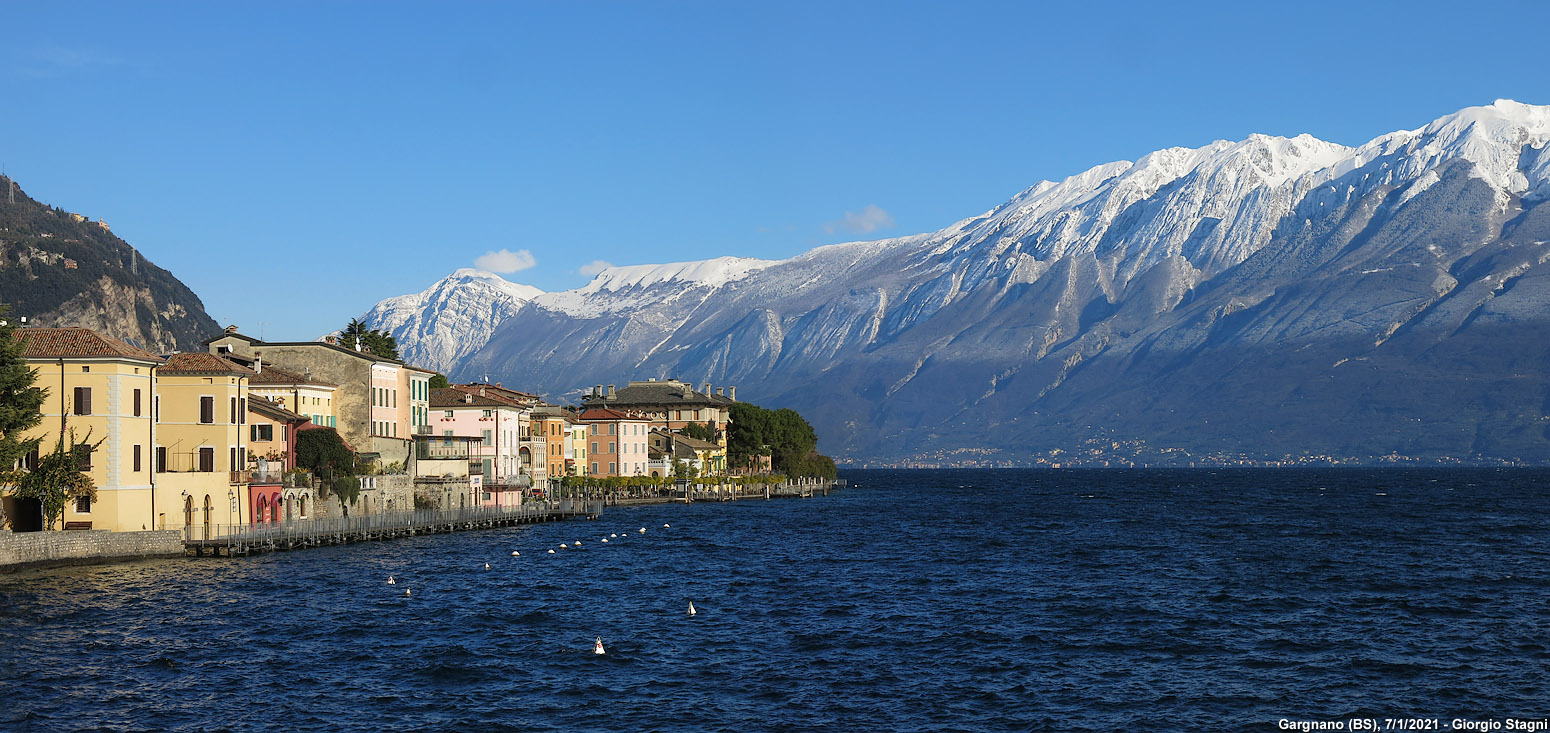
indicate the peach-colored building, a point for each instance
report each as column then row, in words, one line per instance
column 618, row 443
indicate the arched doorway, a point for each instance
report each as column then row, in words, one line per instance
column 209, row 512
column 301, row 504
column 263, row 509
column 188, row 511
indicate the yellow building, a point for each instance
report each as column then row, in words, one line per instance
column 101, row 392
column 201, row 414
column 300, row 393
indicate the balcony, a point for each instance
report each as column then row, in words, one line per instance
column 422, row 430
column 240, row 477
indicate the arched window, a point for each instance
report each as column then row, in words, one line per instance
column 188, row 511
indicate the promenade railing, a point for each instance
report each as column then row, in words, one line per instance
column 302, row 529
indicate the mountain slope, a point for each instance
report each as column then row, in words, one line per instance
column 62, row 269
column 1268, row 297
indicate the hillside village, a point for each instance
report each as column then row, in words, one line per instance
column 209, row 438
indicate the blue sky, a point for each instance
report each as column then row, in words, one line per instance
column 294, row 163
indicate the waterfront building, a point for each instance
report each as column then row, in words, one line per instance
column 272, row 431
column 668, row 403
column 379, row 403
column 705, row 457
column 300, row 393
column 201, row 442
column 448, row 473
column 553, row 424
column 498, row 424
column 101, row 393
column 617, row 442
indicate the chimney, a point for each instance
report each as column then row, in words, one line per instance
column 258, row 362
column 330, row 340
column 597, row 391
column 706, row 391
column 610, row 391
column 732, row 393
column 718, row 392
column 231, row 329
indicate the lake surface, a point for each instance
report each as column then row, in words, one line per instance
column 929, row 600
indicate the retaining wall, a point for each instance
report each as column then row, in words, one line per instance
column 84, row 547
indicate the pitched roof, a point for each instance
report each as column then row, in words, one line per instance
column 199, row 362
column 496, row 391
column 444, row 397
column 76, row 342
column 667, row 393
column 273, row 409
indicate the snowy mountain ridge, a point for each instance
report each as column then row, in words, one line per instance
column 1187, row 251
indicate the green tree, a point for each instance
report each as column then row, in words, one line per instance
column 20, row 402
column 781, row 434
column 59, row 479
column 439, row 381
column 370, row 339
column 322, row 451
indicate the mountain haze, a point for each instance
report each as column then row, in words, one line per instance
column 1271, row 297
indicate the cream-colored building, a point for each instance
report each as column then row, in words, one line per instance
column 201, row 452
column 101, row 393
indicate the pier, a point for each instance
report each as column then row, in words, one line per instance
column 245, row 539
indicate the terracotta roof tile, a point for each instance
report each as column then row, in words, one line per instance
column 76, row 342
column 199, row 362
column 276, row 375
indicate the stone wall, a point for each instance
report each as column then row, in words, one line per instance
column 379, row 495
column 79, row 547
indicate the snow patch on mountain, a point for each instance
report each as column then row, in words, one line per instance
column 450, row 319
column 624, row 288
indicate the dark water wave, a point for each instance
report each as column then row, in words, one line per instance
column 1054, row 600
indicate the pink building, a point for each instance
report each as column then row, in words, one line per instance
column 500, row 427
column 619, row 443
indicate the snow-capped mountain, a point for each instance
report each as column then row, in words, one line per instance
column 450, row 319
column 1268, row 295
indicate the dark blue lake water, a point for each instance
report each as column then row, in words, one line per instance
column 933, row 600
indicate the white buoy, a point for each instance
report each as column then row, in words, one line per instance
column 691, row 608
column 605, row 539
column 551, row 552
column 486, row 566
column 597, row 648
column 613, row 535
column 577, row 543
column 665, row 526
column 514, row 553
column 642, row 530
column 408, row 592
column 391, row 581
column 563, row 546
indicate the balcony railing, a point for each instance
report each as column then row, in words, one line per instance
column 240, row 477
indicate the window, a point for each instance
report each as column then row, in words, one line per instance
column 161, row 459
column 594, row 449
column 261, row 433
column 156, row 408
column 206, row 459
column 83, row 456
column 611, row 428
column 207, row 410
column 137, row 403
column 83, row 505
column 613, row 468
column 85, row 369
column 487, row 437
column 30, row 462
column 611, row 449
column 446, row 413
column 488, row 413
column 233, row 419
column 594, row 467
column 242, row 411
column 136, row 459
column 232, row 464
column 82, row 401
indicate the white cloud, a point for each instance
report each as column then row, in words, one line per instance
column 505, row 261
column 869, row 219
column 594, row 267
